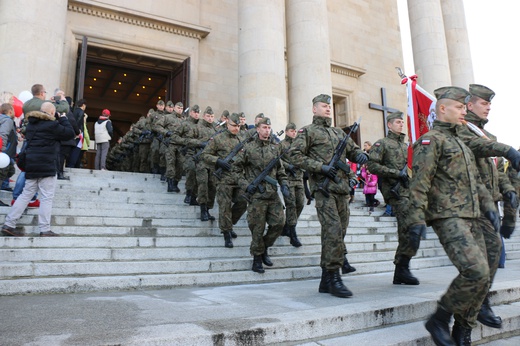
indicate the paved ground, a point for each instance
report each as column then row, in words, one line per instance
column 139, row 317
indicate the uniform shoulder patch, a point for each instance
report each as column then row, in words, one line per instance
column 425, row 142
column 377, row 144
column 302, row 130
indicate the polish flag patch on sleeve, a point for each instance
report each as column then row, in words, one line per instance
column 425, row 142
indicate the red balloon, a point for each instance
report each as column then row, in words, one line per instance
column 17, row 105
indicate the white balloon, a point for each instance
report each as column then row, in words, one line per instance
column 5, row 160
column 25, row 96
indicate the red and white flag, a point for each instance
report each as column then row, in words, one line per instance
column 421, row 112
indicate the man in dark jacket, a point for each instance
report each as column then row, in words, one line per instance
column 43, row 135
column 67, row 146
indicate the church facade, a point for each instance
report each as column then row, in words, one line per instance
column 251, row 56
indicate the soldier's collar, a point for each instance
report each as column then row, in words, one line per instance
column 474, row 119
column 324, row 121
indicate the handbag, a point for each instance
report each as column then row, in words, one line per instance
column 21, row 157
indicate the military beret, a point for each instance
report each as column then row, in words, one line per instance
column 454, row 93
column 234, row 118
column 208, row 110
column 179, row 104
column 241, row 115
column 321, row 98
column 394, row 115
column 481, row 91
column 160, row 102
column 290, row 126
column 264, row 120
column 260, row 115
column 169, row 104
column 225, row 113
column 195, row 108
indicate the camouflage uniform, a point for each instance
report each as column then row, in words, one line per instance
column 510, row 213
column 296, row 201
column 206, row 184
column 155, row 147
column 231, row 205
column 264, row 207
column 144, row 130
column 388, row 157
column 165, row 128
column 181, row 135
column 313, row 147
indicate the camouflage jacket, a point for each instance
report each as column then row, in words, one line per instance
column 298, row 177
column 445, row 181
column 388, row 156
column 186, row 131
column 496, row 181
column 254, row 158
column 143, row 128
column 314, row 146
column 218, row 148
column 155, row 119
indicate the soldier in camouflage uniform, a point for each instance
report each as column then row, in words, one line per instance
column 312, row 150
column 446, row 192
column 388, row 157
column 264, row 207
column 181, row 135
column 296, row 201
column 144, row 131
column 231, row 205
column 156, row 144
column 510, row 213
column 497, row 183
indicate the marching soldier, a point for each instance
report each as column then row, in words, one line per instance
column 388, row 160
column 155, row 146
column 265, row 206
column 231, row 205
column 312, row 150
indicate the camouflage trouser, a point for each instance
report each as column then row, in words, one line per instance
column 7, row 172
column 154, row 153
column 493, row 246
column 191, row 174
column 174, row 163
column 260, row 212
column 333, row 214
column 230, row 205
column 466, row 248
column 294, row 204
column 162, row 154
column 510, row 215
column 206, row 187
column 136, row 162
column 401, row 211
column 144, row 158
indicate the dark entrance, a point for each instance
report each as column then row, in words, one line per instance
column 126, row 84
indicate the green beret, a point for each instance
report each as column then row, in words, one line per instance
column 195, row 108
column 481, row 91
column 290, row 126
column 160, row 102
column 242, row 115
column 264, row 120
column 179, row 104
column 394, row 115
column 225, row 113
column 208, row 110
column 322, row 98
column 454, row 93
column 234, row 118
column 260, row 115
column 169, row 104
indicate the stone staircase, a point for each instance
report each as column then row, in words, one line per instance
column 123, row 231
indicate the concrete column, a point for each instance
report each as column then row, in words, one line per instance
column 308, row 56
column 261, row 64
column 457, row 40
column 32, row 37
column 429, row 47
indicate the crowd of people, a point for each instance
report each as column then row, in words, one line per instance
column 455, row 185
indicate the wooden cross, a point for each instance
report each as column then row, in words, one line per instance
column 384, row 108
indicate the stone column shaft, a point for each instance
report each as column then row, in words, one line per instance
column 308, row 56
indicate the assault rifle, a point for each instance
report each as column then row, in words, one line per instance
column 264, row 176
column 196, row 157
column 336, row 162
column 395, row 189
column 231, row 156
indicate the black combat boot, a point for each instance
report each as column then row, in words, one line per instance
column 175, row 188
column 461, row 335
column 325, row 281
column 266, row 259
column 204, row 216
column 187, row 199
column 193, row 200
column 439, row 327
column 402, row 274
column 336, row 286
column 62, row 176
column 212, row 218
column 487, row 317
column 294, row 238
column 257, row 264
column 170, row 185
column 233, row 234
column 285, row 231
column 347, row 268
column 227, row 240
column 162, row 170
